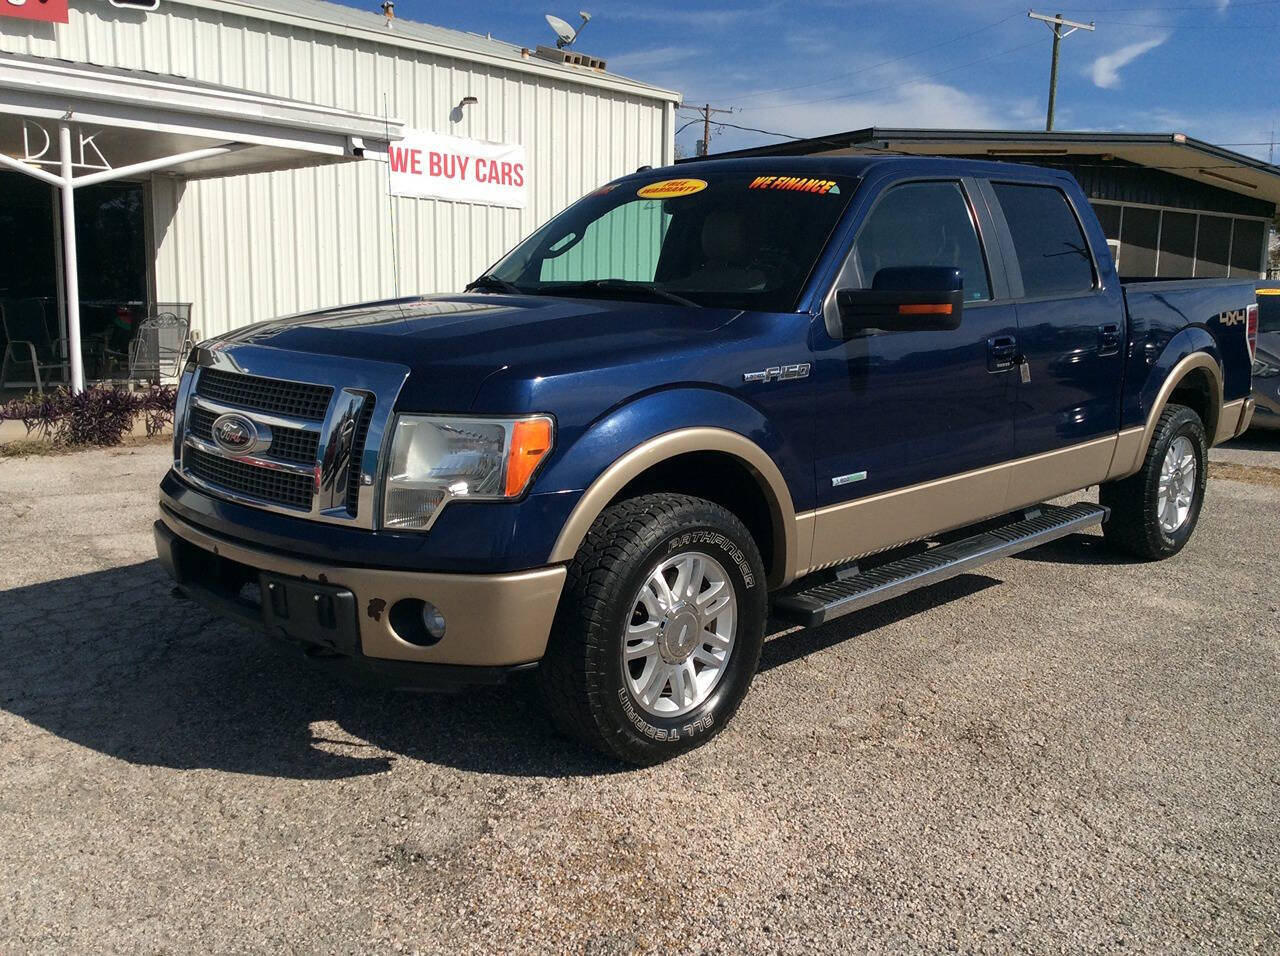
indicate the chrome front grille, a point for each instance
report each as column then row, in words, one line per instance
column 326, row 420
column 287, row 444
column 293, row 399
column 361, row 437
column 277, row 487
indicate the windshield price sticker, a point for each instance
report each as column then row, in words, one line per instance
column 796, row 184
column 671, row 188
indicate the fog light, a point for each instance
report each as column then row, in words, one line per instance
column 417, row 621
column 432, row 620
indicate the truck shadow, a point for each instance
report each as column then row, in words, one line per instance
column 782, row 648
column 1078, row 549
column 111, row 661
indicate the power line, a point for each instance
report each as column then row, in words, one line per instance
column 875, row 66
column 1198, row 26
column 891, row 86
column 704, row 144
column 752, row 129
column 1202, row 7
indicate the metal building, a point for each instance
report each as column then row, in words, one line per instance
column 300, row 102
column 1171, row 205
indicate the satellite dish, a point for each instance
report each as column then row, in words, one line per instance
column 566, row 34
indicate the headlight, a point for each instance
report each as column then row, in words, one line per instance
column 434, row 460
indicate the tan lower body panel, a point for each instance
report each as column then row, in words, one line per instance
column 1232, row 421
column 846, row 531
column 491, row 620
column 1128, row 453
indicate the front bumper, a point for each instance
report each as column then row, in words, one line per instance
column 494, row 621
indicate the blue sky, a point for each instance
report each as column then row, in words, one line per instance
column 1209, row 68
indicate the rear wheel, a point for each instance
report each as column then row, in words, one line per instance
column 658, row 633
column 1154, row 512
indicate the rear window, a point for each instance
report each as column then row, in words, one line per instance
column 1269, row 310
column 1052, row 252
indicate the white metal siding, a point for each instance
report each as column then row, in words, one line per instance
column 252, row 247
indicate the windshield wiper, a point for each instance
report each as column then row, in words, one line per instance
column 622, row 285
column 493, row 283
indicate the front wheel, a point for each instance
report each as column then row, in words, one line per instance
column 658, row 633
column 1154, row 512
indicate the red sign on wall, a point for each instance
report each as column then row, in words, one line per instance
column 48, row 11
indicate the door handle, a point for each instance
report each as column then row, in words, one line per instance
column 1109, row 338
column 1002, row 353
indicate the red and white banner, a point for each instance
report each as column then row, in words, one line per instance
column 50, row 11
column 433, row 166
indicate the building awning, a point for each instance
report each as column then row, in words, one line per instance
column 73, row 125
column 1175, row 153
column 135, row 117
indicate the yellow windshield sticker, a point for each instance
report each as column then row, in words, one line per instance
column 796, row 184
column 670, row 188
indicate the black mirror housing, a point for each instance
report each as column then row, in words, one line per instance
column 905, row 299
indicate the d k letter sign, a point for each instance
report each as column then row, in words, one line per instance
column 432, row 166
column 50, row 11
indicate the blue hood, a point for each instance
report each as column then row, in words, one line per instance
column 451, row 344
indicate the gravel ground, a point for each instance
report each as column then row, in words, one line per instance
column 1065, row 752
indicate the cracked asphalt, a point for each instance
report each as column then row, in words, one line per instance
column 1066, row 751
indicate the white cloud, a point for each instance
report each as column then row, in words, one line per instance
column 651, row 58
column 683, row 17
column 1106, row 69
column 923, row 104
column 1223, row 4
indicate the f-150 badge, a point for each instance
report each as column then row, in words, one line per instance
column 778, row 373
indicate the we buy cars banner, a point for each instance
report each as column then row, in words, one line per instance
column 48, row 11
column 433, row 166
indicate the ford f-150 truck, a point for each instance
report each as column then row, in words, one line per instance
column 695, row 398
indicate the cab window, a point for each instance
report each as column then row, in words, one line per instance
column 923, row 224
column 1053, row 254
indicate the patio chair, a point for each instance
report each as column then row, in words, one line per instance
column 29, row 344
column 159, row 347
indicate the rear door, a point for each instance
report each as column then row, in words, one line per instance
column 1071, row 320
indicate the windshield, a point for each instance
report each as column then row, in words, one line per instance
column 739, row 241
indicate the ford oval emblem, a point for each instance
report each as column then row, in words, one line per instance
column 237, row 434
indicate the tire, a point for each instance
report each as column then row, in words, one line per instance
column 1144, row 521
column 612, row 704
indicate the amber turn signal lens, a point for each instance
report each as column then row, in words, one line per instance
column 939, row 309
column 530, row 441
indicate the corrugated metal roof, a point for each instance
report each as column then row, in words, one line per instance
column 1175, row 153
column 336, row 18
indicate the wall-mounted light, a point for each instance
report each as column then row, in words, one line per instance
column 456, row 114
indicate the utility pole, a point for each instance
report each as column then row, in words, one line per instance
column 704, row 144
column 1056, row 24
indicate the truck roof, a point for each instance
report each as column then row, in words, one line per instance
column 814, row 166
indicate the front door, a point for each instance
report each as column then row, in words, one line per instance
column 909, row 410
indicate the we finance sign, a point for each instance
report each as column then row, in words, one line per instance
column 432, row 166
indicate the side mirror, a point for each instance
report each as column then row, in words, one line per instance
column 905, row 299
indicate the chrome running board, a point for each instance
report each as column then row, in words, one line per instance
column 823, row 602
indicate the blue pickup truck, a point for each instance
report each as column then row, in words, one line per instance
column 698, row 398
